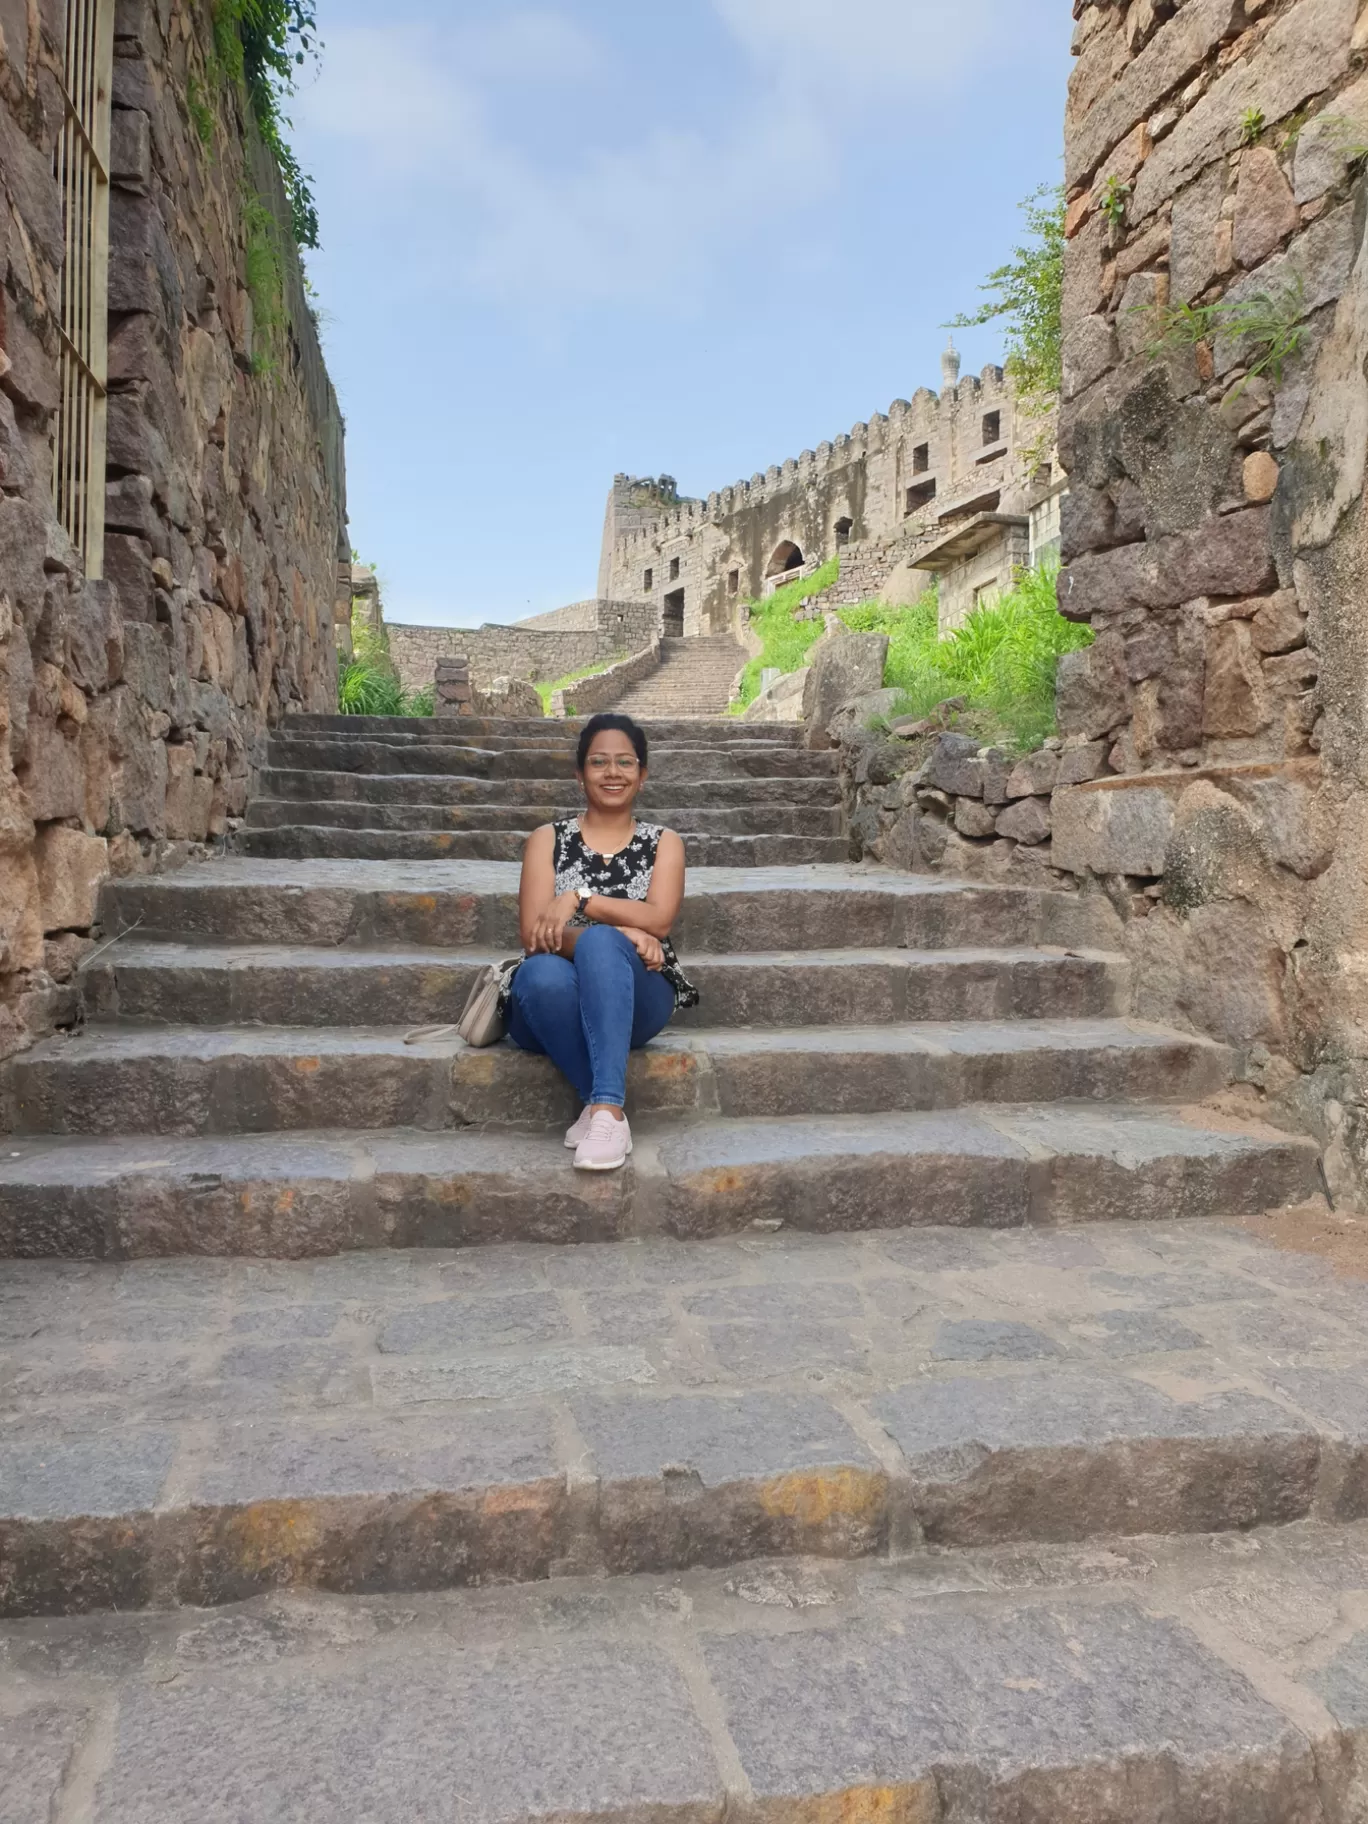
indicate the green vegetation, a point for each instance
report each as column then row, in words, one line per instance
column 1252, row 125
column 265, row 280
column 547, row 691
column 1026, row 294
column 1114, row 200
column 201, row 111
column 1001, row 662
column 367, row 682
column 260, row 44
column 784, row 640
column 1268, row 324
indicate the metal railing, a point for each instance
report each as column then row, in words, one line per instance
column 81, row 167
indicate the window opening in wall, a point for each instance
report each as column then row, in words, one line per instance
column 992, row 428
column 733, row 582
column 81, row 168
column 921, row 459
column 786, row 557
column 672, row 624
column 674, row 569
column 920, row 495
column 648, row 582
column 843, row 531
column 985, row 595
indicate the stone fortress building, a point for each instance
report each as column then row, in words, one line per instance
column 963, row 486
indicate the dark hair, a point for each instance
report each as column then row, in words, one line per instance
column 597, row 725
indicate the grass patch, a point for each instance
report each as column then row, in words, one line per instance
column 1002, row 661
column 784, row 641
column 367, row 682
column 547, row 691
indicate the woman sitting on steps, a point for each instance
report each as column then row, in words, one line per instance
column 600, row 893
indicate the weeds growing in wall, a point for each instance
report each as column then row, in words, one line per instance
column 265, row 273
column 1001, row 662
column 1266, row 329
column 1026, row 295
column 261, row 44
column 784, row 641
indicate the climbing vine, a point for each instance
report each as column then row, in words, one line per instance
column 262, row 44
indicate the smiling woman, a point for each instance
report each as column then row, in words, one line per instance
column 599, row 897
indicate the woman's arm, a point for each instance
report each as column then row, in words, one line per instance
column 656, row 914
column 541, row 915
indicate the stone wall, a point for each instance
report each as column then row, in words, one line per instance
column 1214, row 534
column 134, row 708
column 522, row 650
column 890, row 495
column 605, row 688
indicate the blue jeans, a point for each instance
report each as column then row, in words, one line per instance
column 587, row 1014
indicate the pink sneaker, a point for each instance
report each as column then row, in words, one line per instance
column 606, row 1146
column 577, row 1130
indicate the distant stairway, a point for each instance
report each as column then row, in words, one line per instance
column 694, row 681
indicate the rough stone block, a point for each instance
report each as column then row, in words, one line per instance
column 1234, row 701
column 1077, row 765
column 1266, row 212
column 54, row 777
column 71, row 866
column 973, row 818
column 849, row 665
column 1116, row 831
column 954, row 767
column 1278, row 624
column 1026, row 821
column 1092, row 696
column 1226, row 556
column 1034, row 773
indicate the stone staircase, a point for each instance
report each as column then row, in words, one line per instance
column 399, row 789
column 901, row 1438
column 694, row 680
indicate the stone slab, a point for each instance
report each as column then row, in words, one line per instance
column 316, row 1193
column 183, row 1431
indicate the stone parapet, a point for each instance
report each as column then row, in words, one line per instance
column 587, row 696
column 539, row 653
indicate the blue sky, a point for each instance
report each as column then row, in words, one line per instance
column 567, row 239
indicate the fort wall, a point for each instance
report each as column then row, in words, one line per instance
column 134, row 705
column 880, row 495
column 527, row 649
column 1215, row 530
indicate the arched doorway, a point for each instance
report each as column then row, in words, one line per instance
column 786, row 557
column 844, row 527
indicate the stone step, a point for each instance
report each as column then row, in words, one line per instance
column 764, row 820
column 266, row 1079
column 468, row 902
column 1116, row 1683
column 498, row 735
column 305, row 841
column 201, row 1432
column 553, row 797
column 298, row 1194
column 298, row 985
column 722, row 760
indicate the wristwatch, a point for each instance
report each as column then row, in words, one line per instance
column 583, row 895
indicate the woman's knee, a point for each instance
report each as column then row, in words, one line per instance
column 543, row 979
column 600, row 943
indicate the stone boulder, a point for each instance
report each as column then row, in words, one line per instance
column 844, row 666
column 512, row 697
column 782, row 702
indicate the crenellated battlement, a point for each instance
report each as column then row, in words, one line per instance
column 922, row 416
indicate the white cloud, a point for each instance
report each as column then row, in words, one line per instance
column 857, row 45
column 546, row 221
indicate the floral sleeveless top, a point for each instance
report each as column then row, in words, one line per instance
column 626, row 875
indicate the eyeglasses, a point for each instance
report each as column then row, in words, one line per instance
column 602, row 763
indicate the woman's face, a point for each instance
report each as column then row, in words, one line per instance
column 612, row 774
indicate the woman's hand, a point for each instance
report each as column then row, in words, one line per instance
column 548, row 930
column 648, row 948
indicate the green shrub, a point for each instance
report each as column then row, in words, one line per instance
column 1002, row 661
column 785, row 641
column 547, row 691
column 365, row 689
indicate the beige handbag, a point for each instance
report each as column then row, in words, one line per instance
column 482, row 1023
